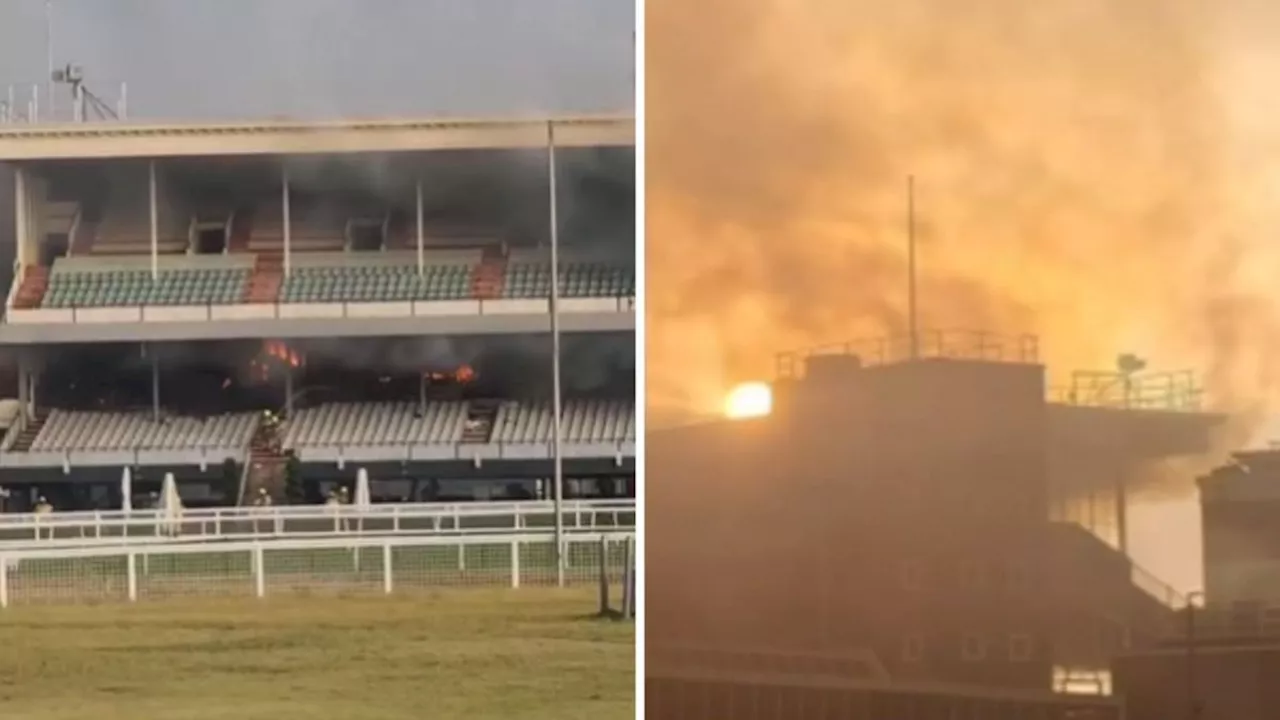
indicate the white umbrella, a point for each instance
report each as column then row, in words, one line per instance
column 362, row 499
column 126, row 490
column 170, row 503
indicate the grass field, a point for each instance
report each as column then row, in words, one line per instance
column 531, row 653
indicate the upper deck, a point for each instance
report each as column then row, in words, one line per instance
column 83, row 141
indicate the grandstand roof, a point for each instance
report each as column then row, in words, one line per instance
column 282, row 137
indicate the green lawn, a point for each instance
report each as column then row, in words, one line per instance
column 483, row 653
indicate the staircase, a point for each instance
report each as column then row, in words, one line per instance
column 81, row 243
column 35, row 281
column 487, row 278
column 28, row 434
column 265, row 468
column 241, row 231
column 266, row 280
column 481, row 417
column 1102, row 588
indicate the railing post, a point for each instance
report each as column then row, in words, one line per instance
column 515, row 563
column 629, row 579
column 4, row 581
column 132, row 571
column 604, row 574
column 259, row 572
column 387, row 583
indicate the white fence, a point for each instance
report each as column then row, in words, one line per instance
column 264, row 567
column 117, row 527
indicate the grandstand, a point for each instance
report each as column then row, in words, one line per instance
column 270, row 306
column 904, row 508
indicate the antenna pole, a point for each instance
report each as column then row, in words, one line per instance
column 48, row 47
column 913, row 327
column 557, row 478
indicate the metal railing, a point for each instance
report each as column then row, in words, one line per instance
column 415, row 452
column 372, row 310
column 1232, row 621
column 929, row 344
column 350, row 564
column 1170, row 391
column 210, row 525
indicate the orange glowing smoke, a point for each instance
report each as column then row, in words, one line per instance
column 462, row 375
column 278, row 350
column 1081, row 175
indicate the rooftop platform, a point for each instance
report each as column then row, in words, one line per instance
column 110, row 140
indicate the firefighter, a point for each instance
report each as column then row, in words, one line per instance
column 333, row 505
column 43, row 508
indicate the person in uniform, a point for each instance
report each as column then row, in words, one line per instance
column 263, row 499
column 43, row 508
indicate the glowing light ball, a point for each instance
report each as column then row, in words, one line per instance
column 749, row 400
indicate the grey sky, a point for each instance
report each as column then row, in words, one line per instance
column 329, row 58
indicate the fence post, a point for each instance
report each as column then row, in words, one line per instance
column 4, row 582
column 259, row 573
column 462, row 556
column 604, row 575
column 387, row 584
column 132, row 572
column 515, row 563
column 629, row 580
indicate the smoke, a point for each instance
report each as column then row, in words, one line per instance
column 1083, row 173
column 589, row 363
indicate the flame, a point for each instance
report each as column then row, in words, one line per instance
column 462, row 375
column 279, row 350
column 465, row 374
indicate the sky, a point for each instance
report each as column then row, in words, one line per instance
column 200, row 59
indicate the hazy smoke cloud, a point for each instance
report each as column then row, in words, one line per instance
column 1079, row 175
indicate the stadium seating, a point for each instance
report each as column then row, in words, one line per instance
column 372, row 423
column 73, row 430
column 585, row 421
column 528, row 275
column 73, row 284
column 338, row 277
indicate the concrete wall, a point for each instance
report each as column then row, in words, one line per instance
column 1241, row 550
column 1231, row 683
column 873, row 506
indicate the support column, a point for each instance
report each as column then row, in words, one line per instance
column 20, row 216
column 24, row 390
column 288, row 221
column 155, row 221
column 418, row 212
column 155, row 380
column 422, row 394
column 1122, row 515
column 557, row 461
